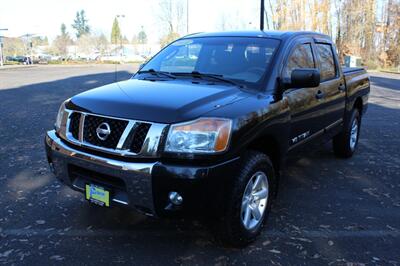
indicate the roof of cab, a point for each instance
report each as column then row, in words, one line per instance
column 255, row 33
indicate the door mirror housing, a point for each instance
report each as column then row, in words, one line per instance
column 304, row 78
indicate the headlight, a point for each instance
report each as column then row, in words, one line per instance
column 204, row 135
column 61, row 120
column 60, row 115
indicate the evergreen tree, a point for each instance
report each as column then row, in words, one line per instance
column 115, row 32
column 63, row 30
column 81, row 24
column 142, row 37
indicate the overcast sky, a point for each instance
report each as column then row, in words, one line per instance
column 44, row 17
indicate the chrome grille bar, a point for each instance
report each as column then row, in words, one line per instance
column 81, row 127
column 124, row 136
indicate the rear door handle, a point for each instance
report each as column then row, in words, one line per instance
column 342, row 87
column 320, row 94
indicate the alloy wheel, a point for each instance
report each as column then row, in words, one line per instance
column 254, row 200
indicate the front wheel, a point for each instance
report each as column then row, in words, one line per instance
column 249, row 200
column 345, row 143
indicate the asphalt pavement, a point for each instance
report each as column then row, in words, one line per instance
column 328, row 211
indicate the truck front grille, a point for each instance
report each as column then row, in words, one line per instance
column 139, row 136
column 91, row 124
column 74, row 124
column 124, row 137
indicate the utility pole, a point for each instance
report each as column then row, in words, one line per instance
column 120, row 39
column 262, row 15
column 121, row 48
column 187, row 16
column 1, row 49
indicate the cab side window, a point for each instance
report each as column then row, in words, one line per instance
column 327, row 63
column 301, row 57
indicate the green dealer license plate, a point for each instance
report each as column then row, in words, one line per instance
column 97, row 195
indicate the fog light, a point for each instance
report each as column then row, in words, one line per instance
column 175, row 198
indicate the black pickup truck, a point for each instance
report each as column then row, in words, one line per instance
column 206, row 124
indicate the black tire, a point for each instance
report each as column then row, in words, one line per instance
column 232, row 231
column 342, row 142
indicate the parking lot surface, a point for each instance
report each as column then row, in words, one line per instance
column 328, row 211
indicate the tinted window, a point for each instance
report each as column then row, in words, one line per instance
column 327, row 64
column 241, row 59
column 181, row 60
column 301, row 57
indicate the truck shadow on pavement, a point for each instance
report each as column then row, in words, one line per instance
column 385, row 82
column 325, row 206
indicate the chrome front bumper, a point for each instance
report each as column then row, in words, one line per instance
column 136, row 176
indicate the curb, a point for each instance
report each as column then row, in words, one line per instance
column 388, row 71
column 16, row 67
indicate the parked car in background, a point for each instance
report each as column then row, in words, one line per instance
column 10, row 58
column 18, row 58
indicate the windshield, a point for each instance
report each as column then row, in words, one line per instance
column 236, row 58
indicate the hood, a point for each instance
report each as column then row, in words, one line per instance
column 156, row 101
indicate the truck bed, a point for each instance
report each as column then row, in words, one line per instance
column 357, row 85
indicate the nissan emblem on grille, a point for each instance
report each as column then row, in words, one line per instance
column 103, row 131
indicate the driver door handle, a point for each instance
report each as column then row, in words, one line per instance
column 342, row 87
column 320, row 94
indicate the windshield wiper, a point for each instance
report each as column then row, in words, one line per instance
column 157, row 73
column 197, row 74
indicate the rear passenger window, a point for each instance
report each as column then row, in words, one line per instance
column 301, row 57
column 327, row 63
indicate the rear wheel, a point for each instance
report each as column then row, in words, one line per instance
column 249, row 200
column 345, row 143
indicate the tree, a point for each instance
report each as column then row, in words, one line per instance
column 85, row 44
column 135, row 39
column 116, row 35
column 63, row 30
column 164, row 41
column 124, row 40
column 89, row 44
column 61, row 42
column 391, row 38
column 13, row 47
column 142, row 37
column 369, row 29
column 171, row 15
column 81, row 24
column 40, row 41
column 101, row 44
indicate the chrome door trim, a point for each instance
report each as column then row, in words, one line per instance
column 334, row 124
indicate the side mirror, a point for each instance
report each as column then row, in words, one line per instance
column 305, row 78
